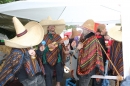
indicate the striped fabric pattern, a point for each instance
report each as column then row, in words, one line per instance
column 52, row 56
column 13, row 64
column 31, row 65
column 116, row 55
column 14, row 61
column 90, row 57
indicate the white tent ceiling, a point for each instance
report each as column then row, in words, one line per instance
column 73, row 12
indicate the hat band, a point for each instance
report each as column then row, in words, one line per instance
column 21, row 34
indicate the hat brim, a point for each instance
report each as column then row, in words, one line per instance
column 89, row 24
column 58, row 29
column 115, row 33
column 59, row 25
column 52, row 22
column 34, row 36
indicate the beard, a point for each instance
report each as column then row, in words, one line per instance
column 85, row 32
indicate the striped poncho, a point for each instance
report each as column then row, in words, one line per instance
column 55, row 55
column 116, row 56
column 90, row 57
column 14, row 62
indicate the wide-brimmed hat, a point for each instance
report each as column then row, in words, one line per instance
column 116, row 33
column 59, row 25
column 26, row 36
column 75, row 33
column 89, row 24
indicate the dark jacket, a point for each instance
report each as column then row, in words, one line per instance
column 102, row 41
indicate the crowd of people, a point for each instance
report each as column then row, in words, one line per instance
column 39, row 53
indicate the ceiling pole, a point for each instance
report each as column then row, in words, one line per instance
column 110, row 8
column 62, row 12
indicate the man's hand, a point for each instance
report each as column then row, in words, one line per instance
column 80, row 45
column 67, row 52
column 52, row 46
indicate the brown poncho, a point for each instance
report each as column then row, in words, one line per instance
column 90, row 57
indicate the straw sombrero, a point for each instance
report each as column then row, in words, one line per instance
column 26, row 36
column 116, row 33
column 75, row 33
column 89, row 24
column 59, row 25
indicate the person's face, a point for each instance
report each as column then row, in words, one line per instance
column 104, row 32
column 51, row 28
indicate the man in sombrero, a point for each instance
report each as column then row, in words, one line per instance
column 54, row 52
column 100, row 34
column 116, row 51
column 90, row 59
column 21, row 63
